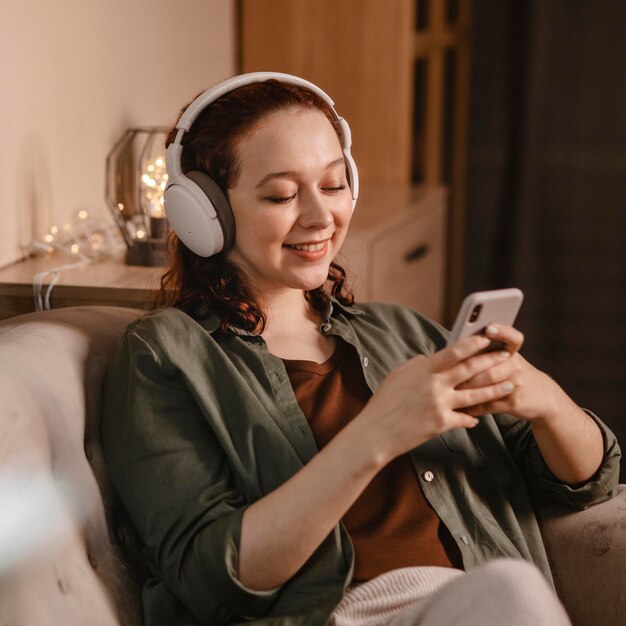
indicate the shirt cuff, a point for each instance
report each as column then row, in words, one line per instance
column 600, row 487
column 216, row 557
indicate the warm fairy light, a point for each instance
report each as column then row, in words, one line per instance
column 82, row 237
column 140, row 234
column 154, row 181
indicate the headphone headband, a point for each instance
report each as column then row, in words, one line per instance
column 198, row 210
column 230, row 84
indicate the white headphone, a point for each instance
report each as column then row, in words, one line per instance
column 197, row 209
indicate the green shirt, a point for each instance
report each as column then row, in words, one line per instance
column 197, row 426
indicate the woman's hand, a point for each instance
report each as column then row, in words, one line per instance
column 426, row 396
column 533, row 394
column 569, row 440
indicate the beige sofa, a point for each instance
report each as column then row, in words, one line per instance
column 51, row 369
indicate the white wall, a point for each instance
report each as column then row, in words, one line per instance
column 73, row 76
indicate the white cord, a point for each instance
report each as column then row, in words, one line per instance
column 42, row 303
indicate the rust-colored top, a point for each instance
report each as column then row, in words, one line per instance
column 391, row 524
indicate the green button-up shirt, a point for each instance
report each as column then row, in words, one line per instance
column 197, row 426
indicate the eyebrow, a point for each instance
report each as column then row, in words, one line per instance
column 291, row 173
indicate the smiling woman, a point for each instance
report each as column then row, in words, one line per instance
column 284, row 452
column 291, row 224
column 290, row 200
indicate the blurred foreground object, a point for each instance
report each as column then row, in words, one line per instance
column 36, row 515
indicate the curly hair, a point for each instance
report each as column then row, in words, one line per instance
column 204, row 285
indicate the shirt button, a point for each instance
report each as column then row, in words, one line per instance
column 465, row 540
column 365, row 362
column 428, row 476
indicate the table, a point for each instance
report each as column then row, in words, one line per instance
column 107, row 282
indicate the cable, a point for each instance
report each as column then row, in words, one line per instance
column 42, row 303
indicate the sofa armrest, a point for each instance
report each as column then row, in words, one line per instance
column 587, row 553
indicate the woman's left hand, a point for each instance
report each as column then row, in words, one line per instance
column 534, row 395
column 569, row 440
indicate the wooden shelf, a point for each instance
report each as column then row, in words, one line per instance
column 109, row 282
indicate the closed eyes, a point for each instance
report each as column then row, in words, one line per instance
column 288, row 199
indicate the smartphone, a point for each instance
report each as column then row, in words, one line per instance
column 481, row 308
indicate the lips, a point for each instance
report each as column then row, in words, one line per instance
column 307, row 247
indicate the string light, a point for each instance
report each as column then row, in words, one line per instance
column 153, row 182
column 83, row 237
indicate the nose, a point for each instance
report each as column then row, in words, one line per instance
column 316, row 211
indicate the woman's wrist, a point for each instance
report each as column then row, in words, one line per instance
column 372, row 447
column 558, row 405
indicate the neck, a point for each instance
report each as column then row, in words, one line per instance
column 293, row 329
column 287, row 311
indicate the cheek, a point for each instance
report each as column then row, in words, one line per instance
column 343, row 219
column 262, row 231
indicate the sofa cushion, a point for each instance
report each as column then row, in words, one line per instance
column 52, row 365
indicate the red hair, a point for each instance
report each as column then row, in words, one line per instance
column 200, row 285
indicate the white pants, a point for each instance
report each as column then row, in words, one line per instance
column 510, row 592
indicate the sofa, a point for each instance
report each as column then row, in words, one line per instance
column 52, row 365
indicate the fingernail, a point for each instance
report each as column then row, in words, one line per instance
column 504, row 354
column 491, row 330
column 507, row 386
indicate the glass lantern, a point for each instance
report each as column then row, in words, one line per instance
column 135, row 181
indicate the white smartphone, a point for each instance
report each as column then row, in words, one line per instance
column 481, row 308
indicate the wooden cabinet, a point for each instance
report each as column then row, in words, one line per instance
column 395, row 248
column 360, row 52
column 398, row 71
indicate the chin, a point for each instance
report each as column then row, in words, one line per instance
column 308, row 283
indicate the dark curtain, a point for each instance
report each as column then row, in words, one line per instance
column 547, row 186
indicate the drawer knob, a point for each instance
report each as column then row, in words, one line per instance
column 416, row 254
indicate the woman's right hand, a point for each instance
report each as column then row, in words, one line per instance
column 419, row 399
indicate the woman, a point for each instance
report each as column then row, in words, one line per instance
column 291, row 457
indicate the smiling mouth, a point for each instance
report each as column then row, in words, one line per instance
column 307, row 247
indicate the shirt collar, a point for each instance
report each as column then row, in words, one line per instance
column 212, row 321
column 334, row 307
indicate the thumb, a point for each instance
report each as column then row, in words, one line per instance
column 465, row 420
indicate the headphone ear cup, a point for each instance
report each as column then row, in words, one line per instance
column 220, row 203
column 199, row 213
